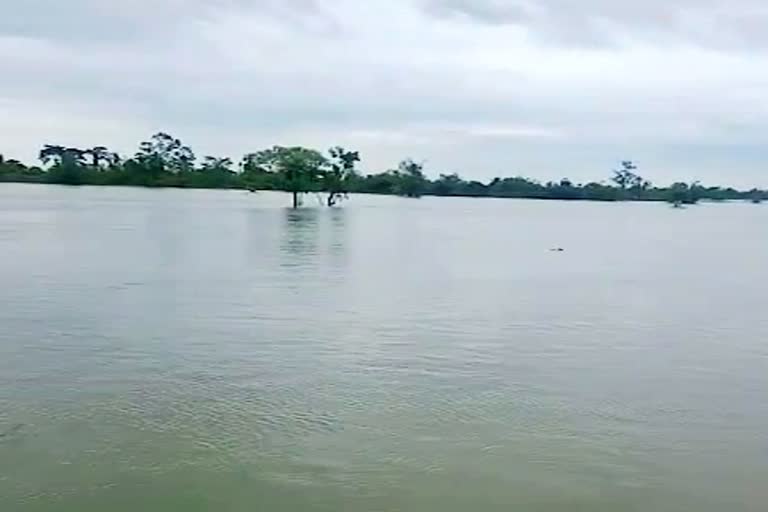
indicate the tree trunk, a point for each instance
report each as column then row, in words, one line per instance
column 295, row 199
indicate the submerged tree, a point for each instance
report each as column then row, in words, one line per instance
column 340, row 171
column 164, row 161
column 298, row 169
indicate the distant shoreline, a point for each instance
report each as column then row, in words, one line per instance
column 385, row 194
column 165, row 162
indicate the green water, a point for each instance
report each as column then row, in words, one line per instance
column 167, row 350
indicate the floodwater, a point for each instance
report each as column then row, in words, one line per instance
column 172, row 350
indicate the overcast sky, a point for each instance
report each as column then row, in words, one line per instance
column 543, row 88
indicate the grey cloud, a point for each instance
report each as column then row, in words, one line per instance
column 707, row 23
column 99, row 21
column 87, row 20
column 492, row 12
column 387, row 77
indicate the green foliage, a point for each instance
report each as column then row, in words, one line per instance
column 99, row 156
column 214, row 172
column 15, row 171
column 255, row 174
column 340, row 174
column 295, row 169
column 683, row 193
column 625, row 178
column 412, row 182
column 164, row 161
column 632, row 186
column 67, row 164
column 160, row 161
column 164, row 153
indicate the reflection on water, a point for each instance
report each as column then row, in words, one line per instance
column 212, row 350
column 300, row 236
column 315, row 238
column 338, row 235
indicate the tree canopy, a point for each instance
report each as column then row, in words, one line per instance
column 165, row 161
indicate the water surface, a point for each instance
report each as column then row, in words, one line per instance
column 212, row 350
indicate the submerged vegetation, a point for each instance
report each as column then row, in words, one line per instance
column 164, row 161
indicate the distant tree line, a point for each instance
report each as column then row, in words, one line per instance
column 164, row 161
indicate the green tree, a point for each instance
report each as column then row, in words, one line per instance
column 564, row 189
column 600, row 192
column 412, row 179
column 164, row 152
column 448, row 185
column 99, row 155
column 631, row 184
column 14, row 171
column 212, row 163
column 214, row 173
column 255, row 175
column 165, row 161
column 516, row 187
column 340, row 171
column 382, row 183
column 298, row 170
column 624, row 178
column 683, row 193
column 67, row 164
column 161, row 161
column 695, row 192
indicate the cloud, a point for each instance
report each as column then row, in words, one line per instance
column 707, row 23
column 482, row 87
